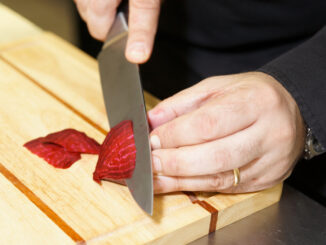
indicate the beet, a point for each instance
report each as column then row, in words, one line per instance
column 63, row 148
column 74, row 141
column 117, row 157
column 54, row 154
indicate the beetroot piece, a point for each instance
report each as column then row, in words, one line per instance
column 73, row 141
column 63, row 148
column 117, row 157
column 54, row 154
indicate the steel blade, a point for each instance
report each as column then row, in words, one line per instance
column 124, row 100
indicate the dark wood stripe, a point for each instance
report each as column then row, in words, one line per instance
column 214, row 214
column 191, row 195
column 40, row 204
column 87, row 119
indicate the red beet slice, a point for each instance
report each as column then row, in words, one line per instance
column 73, row 141
column 54, row 154
column 117, row 157
column 63, row 148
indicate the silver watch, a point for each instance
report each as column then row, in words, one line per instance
column 312, row 147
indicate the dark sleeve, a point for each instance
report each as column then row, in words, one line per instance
column 302, row 71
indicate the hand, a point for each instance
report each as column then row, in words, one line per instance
column 143, row 19
column 247, row 121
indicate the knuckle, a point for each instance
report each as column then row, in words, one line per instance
column 167, row 134
column 271, row 95
column 221, row 159
column 217, row 183
column 205, row 124
column 172, row 164
column 177, row 184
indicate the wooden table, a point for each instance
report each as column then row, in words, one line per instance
column 47, row 85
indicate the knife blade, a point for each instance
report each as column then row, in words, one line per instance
column 124, row 100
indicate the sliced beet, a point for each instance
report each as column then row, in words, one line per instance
column 73, row 141
column 54, row 154
column 117, row 157
column 61, row 149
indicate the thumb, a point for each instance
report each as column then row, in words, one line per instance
column 143, row 20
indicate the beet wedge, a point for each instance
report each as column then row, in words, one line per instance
column 117, row 157
column 54, row 154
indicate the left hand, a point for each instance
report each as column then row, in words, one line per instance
column 247, row 121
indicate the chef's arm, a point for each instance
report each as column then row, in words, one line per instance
column 302, row 71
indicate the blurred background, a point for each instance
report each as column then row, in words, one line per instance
column 58, row 16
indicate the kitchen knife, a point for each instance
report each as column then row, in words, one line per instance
column 124, row 100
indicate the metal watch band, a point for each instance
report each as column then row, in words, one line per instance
column 312, row 146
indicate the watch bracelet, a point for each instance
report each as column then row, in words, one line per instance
column 312, row 147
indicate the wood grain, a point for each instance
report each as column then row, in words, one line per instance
column 23, row 223
column 40, row 204
column 89, row 209
column 65, row 71
column 46, row 85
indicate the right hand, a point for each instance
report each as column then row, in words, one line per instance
column 143, row 18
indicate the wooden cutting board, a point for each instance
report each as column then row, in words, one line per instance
column 47, row 85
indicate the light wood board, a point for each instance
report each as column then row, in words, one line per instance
column 19, row 217
column 14, row 27
column 89, row 209
column 47, row 85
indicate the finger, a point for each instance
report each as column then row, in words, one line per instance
column 217, row 118
column 100, row 16
column 82, row 7
column 191, row 98
column 143, row 20
column 208, row 158
column 221, row 182
column 264, row 173
column 164, row 184
column 183, row 102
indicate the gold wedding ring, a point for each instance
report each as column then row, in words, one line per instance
column 236, row 173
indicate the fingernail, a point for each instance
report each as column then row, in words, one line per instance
column 155, row 142
column 157, row 166
column 156, row 112
column 137, row 51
